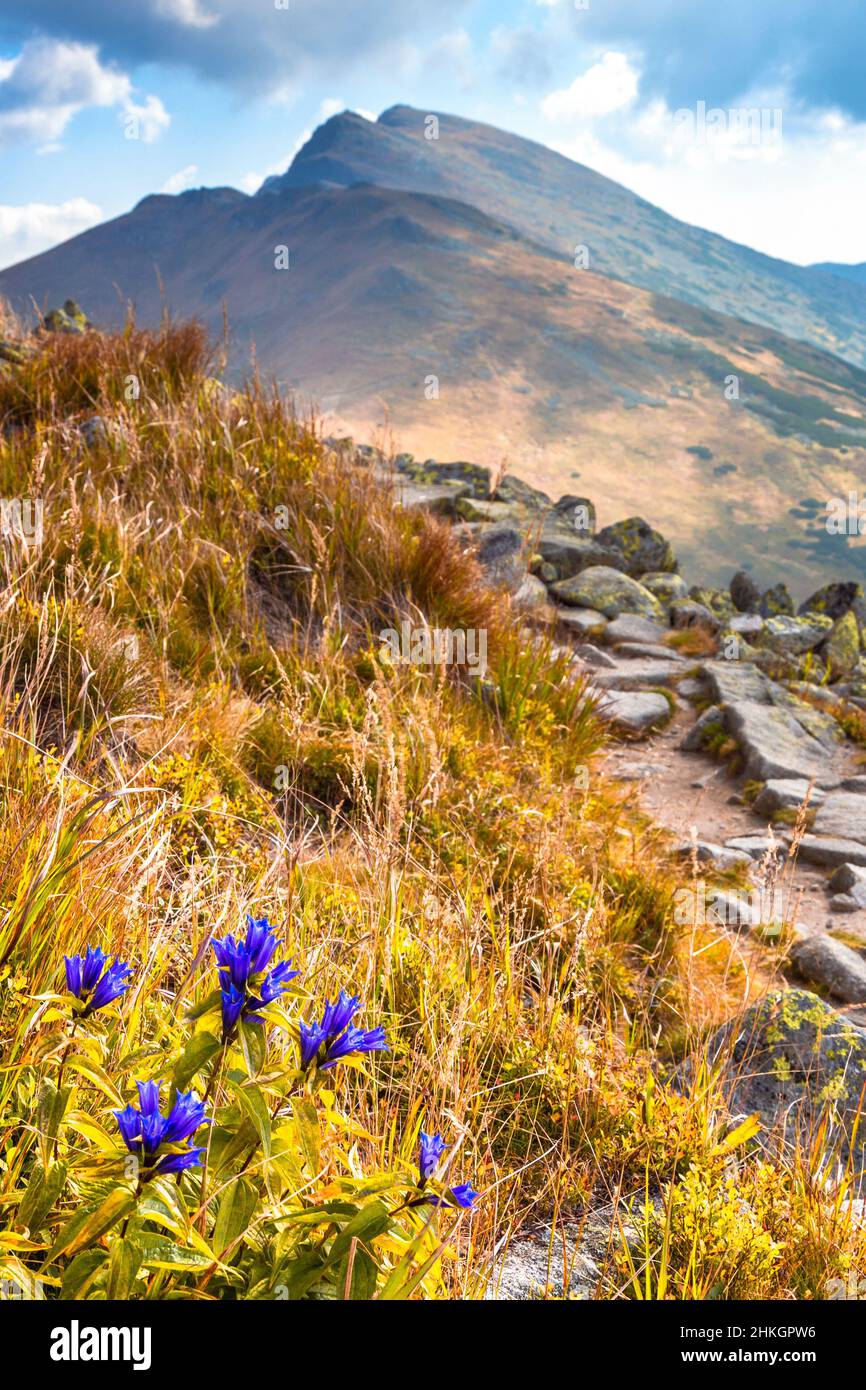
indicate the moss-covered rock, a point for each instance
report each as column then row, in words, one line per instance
column 576, row 512
column 718, row 601
column 833, row 600
column 776, row 600
column 666, row 585
column 791, row 1057
column 483, row 509
column 70, row 319
column 475, row 480
column 841, row 650
column 570, row 552
column 515, row 491
column 790, row 636
column 607, row 591
column 643, row 548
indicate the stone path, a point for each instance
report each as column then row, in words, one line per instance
column 813, row 875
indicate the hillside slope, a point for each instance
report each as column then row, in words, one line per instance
column 565, row 373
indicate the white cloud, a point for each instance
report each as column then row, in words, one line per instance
column 27, row 230
column 50, row 81
column 184, row 178
column 145, row 121
column 186, row 12
column 607, row 86
column 716, row 175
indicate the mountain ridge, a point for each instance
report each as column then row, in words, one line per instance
column 466, row 337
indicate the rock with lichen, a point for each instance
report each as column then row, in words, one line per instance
column 718, row 601
column 775, row 601
column 70, row 319
column 609, row 592
column 643, row 548
column 667, row 586
column 833, row 600
column 841, row 651
column 790, row 1058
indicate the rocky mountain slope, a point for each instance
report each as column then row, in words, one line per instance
column 857, row 273
column 560, row 204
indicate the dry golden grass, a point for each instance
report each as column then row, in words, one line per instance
column 198, row 721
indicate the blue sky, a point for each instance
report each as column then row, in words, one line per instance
column 224, row 91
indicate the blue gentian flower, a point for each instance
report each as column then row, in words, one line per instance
column 463, row 1195
column 93, row 982
column 430, row 1150
column 246, row 988
column 334, row 1038
column 146, row 1132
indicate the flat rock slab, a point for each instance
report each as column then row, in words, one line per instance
column 825, row 961
column 634, row 772
column 757, row 846
column 706, row 852
column 631, row 627
column 654, row 650
column 775, row 745
column 634, row 711
column 594, row 656
column 637, row 675
column 842, row 816
column 583, row 622
column 785, row 794
column 607, row 590
column 818, row 849
column 733, row 681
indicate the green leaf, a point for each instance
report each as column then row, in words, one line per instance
column 80, row 1274
column 88, row 1225
column 43, row 1189
column 100, row 1079
column 160, row 1252
column 123, row 1265
column 50, row 1109
column 253, row 1046
column 371, row 1221
column 253, row 1103
column 306, row 1118
column 236, row 1207
column 286, row 1159
column 212, row 1002
column 356, row 1274
column 197, row 1053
